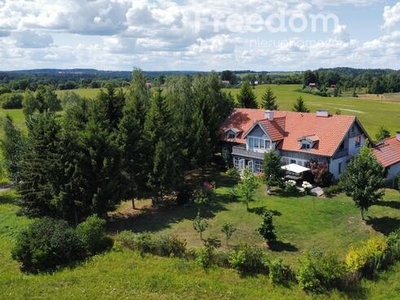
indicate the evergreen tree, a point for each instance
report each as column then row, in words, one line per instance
column 269, row 100
column 44, row 100
column 40, row 167
column 272, row 168
column 363, row 179
column 267, row 228
column 165, row 172
column 131, row 143
column 112, row 103
column 299, row 106
column 100, row 165
column 246, row 97
column 12, row 146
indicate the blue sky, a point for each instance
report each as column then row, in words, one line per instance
column 199, row 35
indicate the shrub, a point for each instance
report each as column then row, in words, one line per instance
column 166, row 245
column 233, row 173
column 319, row 272
column 368, row 258
column 206, row 256
column 290, row 187
column 11, row 101
column 279, row 273
column 248, row 260
column 47, row 244
column 332, row 190
column 92, row 233
column 267, row 228
column 169, row 245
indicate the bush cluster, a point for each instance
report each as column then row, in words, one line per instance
column 248, row 259
column 319, row 272
column 166, row 245
column 11, row 101
column 48, row 244
column 332, row 190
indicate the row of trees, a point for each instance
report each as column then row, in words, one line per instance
column 373, row 81
column 115, row 147
column 247, row 99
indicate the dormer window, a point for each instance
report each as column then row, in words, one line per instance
column 308, row 142
column 231, row 135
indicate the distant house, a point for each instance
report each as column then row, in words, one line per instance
column 387, row 153
column 225, row 83
column 298, row 138
column 312, row 85
column 149, row 85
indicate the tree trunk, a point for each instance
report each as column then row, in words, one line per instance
column 362, row 214
column 133, row 203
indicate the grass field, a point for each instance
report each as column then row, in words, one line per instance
column 301, row 223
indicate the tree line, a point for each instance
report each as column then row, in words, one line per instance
column 118, row 146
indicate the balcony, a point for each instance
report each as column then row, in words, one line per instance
column 341, row 153
column 241, row 151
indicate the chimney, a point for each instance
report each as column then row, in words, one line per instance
column 398, row 135
column 269, row 115
column 323, row 113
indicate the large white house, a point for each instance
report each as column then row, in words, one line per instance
column 299, row 138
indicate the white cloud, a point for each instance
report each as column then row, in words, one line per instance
column 31, row 39
column 391, row 16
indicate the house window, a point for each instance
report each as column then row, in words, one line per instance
column 236, row 162
column 340, row 168
column 293, row 161
column 258, row 166
column 230, row 135
column 255, row 143
column 357, row 142
column 305, row 146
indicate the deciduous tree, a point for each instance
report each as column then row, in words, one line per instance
column 363, row 180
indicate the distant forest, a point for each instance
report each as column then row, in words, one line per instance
column 373, row 81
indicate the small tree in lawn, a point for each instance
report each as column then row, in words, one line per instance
column 246, row 188
column 228, row 229
column 272, row 167
column 363, row 180
column 200, row 225
column 299, row 106
column 269, row 100
column 267, row 228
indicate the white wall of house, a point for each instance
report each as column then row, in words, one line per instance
column 337, row 166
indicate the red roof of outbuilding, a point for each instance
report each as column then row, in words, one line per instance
column 388, row 152
column 289, row 127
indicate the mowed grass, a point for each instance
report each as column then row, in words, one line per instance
column 301, row 223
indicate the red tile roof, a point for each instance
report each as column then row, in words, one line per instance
column 388, row 152
column 289, row 127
